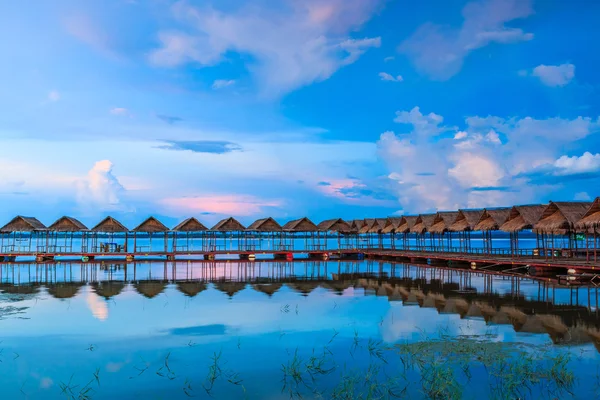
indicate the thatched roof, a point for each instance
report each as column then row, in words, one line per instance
column 591, row 219
column 336, row 225
column 190, row 225
column 23, row 224
column 64, row 290
column 267, row 288
column 367, row 225
column 392, row 224
column 561, row 217
column 356, row 224
column 109, row 224
column 191, row 288
column 523, row 217
column 228, row 225
column 108, row 289
column 492, row 219
column 423, row 223
column 67, row 224
column 230, row 287
column 151, row 225
column 442, row 221
column 265, row 225
column 300, row 225
column 407, row 223
column 466, row 220
column 378, row 225
column 150, row 289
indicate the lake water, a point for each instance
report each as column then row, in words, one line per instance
column 303, row 329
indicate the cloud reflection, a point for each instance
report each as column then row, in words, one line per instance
column 98, row 307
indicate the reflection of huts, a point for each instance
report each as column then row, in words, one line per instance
column 108, row 289
column 230, row 287
column 336, row 287
column 191, row 288
column 594, row 334
column 456, row 306
column 19, row 289
column 304, row 287
column 267, row 288
column 474, row 311
column 150, row 289
column 64, row 290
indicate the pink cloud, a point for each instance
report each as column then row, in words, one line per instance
column 235, row 205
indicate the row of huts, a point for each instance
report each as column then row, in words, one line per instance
column 440, row 231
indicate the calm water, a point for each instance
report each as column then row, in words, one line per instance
column 228, row 330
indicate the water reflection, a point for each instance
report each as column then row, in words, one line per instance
column 111, row 316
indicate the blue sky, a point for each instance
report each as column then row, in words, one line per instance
column 349, row 108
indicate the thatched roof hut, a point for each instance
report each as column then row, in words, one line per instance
column 190, row 225
column 561, row 217
column 228, row 225
column 367, row 225
column 300, row 225
column 335, row 225
column 67, row 224
column 191, row 288
column 150, row 289
column 265, row 225
column 151, row 225
column 23, row 224
column 423, row 223
column 591, row 219
column 523, row 217
column 492, row 219
column 378, row 225
column 442, row 221
column 108, row 289
column 110, row 225
column 466, row 220
column 407, row 223
column 267, row 288
column 357, row 224
column 392, row 224
column 230, row 287
column 64, row 290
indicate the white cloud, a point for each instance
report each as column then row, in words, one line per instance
column 582, row 196
column 291, row 46
column 53, row 96
column 388, row 59
column 425, row 125
column 555, row 75
column 476, row 171
column 119, row 111
column 387, row 77
column 586, row 163
column 439, row 52
column 222, row 83
column 100, row 190
column 460, row 135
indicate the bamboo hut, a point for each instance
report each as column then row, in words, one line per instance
column 589, row 224
column 491, row 220
column 376, row 229
column 521, row 218
column 111, row 230
column 352, row 239
column 463, row 225
column 191, row 288
column 441, row 227
column 265, row 229
column 230, row 287
column 302, row 228
column 61, row 234
column 221, row 236
column 150, row 288
column 23, row 235
column 184, row 234
column 150, row 226
column 391, row 228
column 363, row 238
column 337, row 225
column 405, row 226
column 420, row 228
column 556, row 232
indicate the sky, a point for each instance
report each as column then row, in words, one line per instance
column 292, row 108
